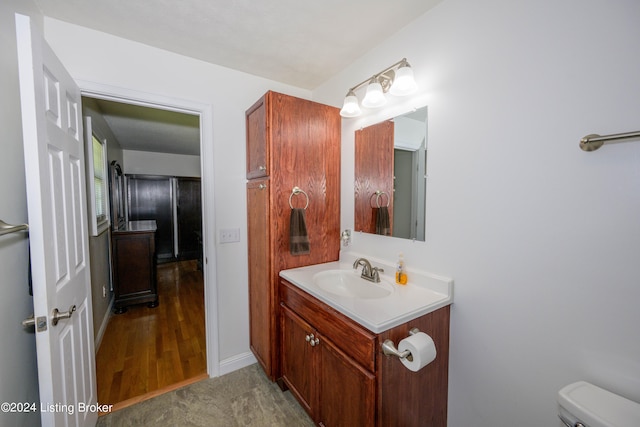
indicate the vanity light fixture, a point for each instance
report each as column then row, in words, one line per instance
column 396, row 79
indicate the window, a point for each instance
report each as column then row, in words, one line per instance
column 96, row 159
column 99, row 180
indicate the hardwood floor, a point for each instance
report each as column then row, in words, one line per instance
column 149, row 349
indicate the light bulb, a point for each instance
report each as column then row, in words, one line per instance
column 403, row 83
column 350, row 108
column 374, row 97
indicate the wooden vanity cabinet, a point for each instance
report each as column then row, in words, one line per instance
column 336, row 370
column 333, row 387
column 291, row 142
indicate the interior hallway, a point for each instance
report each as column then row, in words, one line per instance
column 147, row 351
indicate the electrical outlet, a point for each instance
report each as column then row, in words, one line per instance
column 230, row 235
column 104, row 291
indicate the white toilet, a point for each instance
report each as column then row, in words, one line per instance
column 585, row 405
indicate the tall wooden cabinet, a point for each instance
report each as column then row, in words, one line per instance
column 291, row 142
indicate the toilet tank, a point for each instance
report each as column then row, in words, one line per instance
column 582, row 403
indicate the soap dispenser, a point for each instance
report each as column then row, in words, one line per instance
column 401, row 273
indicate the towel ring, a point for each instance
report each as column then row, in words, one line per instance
column 378, row 194
column 295, row 192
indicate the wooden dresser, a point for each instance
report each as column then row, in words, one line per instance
column 134, row 265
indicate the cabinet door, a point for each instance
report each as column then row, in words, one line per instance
column 347, row 392
column 151, row 198
column 298, row 358
column 262, row 296
column 305, row 153
column 257, row 139
column 189, row 207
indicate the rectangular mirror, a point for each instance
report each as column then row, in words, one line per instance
column 390, row 177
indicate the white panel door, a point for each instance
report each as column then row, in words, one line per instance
column 58, row 232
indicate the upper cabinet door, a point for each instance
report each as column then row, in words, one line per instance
column 257, row 139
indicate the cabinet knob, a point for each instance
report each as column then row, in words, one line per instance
column 262, row 168
column 311, row 339
column 262, row 186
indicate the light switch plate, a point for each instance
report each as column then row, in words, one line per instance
column 230, row 235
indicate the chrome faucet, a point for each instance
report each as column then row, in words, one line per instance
column 369, row 273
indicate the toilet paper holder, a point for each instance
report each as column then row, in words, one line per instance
column 389, row 348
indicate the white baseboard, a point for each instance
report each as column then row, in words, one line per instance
column 103, row 326
column 236, row 362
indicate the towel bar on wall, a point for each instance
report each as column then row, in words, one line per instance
column 594, row 141
column 8, row 228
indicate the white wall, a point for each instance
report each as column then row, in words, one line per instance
column 144, row 162
column 106, row 60
column 18, row 372
column 541, row 238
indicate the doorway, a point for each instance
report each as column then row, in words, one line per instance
column 148, row 351
column 185, row 271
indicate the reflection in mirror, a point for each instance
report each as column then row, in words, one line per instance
column 390, row 176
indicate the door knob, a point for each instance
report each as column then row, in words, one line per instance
column 57, row 315
column 40, row 323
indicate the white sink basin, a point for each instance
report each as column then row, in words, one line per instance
column 347, row 283
column 376, row 306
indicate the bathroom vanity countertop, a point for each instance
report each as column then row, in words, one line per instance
column 423, row 294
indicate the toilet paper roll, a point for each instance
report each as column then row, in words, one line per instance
column 422, row 348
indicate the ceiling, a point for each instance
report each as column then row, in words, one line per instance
column 141, row 128
column 298, row 42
